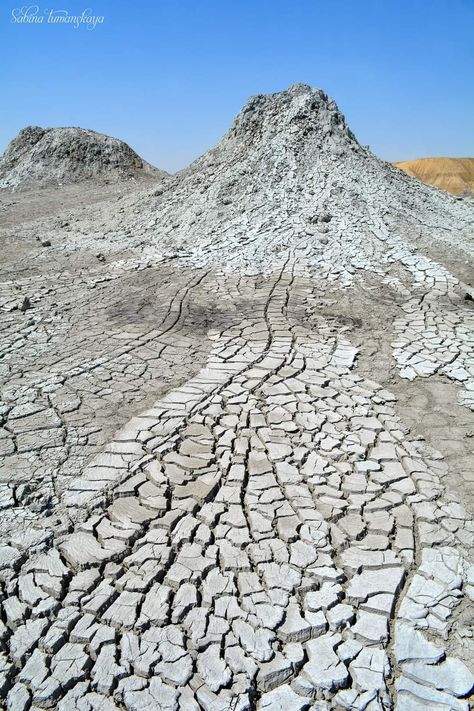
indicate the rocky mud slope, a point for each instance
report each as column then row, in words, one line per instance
column 58, row 156
column 210, row 497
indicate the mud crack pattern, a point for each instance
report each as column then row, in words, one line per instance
column 264, row 535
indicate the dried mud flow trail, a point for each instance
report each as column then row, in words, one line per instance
column 210, row 498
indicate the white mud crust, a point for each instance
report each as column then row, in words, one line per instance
column 210, row 496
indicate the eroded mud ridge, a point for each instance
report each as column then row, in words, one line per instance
column 205, row 504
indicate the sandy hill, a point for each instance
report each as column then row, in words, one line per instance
column 48, row 156
column 456, row 175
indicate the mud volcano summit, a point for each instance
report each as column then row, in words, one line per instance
column 51, row 156
column 237, row 415
column 289, row 173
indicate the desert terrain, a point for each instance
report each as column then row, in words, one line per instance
column 456, row 175
column 237, row 424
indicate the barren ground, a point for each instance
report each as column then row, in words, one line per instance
column 237, row 433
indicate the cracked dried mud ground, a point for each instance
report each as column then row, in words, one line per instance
column 211, row 497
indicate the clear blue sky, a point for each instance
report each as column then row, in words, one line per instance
column 168, row 76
